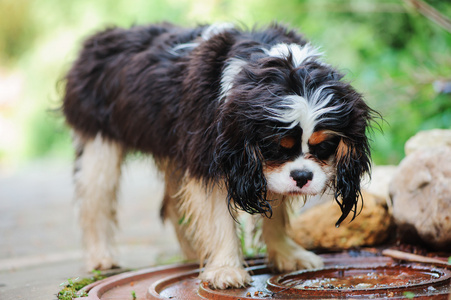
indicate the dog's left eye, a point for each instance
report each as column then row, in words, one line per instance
column 325, row 149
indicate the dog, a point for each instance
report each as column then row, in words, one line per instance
column 236, row 120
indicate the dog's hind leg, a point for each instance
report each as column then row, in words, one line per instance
column 96, row 174
column 171, row 211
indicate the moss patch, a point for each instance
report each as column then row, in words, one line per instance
column 73, row 285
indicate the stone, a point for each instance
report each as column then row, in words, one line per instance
column 378, row 185
column 315, row 228
column 421, row 195
column 428, row 139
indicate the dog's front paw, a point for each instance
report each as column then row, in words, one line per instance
column 98, row 262
column 225, row 277
column 294, row 258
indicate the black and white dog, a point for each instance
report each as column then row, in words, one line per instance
column 235, row 119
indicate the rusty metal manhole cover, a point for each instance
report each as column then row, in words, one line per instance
column 344, row 276
column 345, row 282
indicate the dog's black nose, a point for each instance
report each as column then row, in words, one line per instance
column 301, row 177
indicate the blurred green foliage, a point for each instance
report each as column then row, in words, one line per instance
column 391, row 53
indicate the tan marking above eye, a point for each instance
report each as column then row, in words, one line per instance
column 318, row 137
column 288, row 142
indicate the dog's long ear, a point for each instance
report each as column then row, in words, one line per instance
column 241, row 167
column 352, row 162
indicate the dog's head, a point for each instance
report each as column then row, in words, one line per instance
column 290, row 125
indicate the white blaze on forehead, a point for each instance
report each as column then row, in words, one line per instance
column 234, row 66
column 299, row 53
column 306, row 112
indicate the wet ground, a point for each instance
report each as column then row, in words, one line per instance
column 40, row 245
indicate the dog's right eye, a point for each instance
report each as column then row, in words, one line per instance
column 282, row 149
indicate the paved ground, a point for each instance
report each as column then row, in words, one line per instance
column 39, row 237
